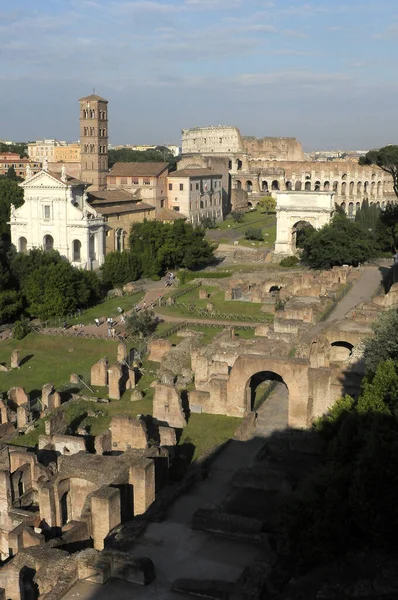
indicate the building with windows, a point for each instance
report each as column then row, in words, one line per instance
column 196, row 194
column 94, row 141
column 57, row 216
column 11, row 159
column 147, row 181
column 120, row 210
column 69, row 153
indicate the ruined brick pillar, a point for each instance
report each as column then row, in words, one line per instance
column 22, row 416
column 114, row 377
column 15, row 359
column 99, row 373
column 5, row 496
column 47, row 504
column 121, row 352
column 46, row 392
column 142, row 477
column 105, row 514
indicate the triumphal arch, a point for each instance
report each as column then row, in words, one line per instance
column 294, row 208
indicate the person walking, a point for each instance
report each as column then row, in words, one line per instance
column 97, row 322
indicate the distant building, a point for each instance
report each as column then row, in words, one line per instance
column 196, row 194
column 147, row 181
column 56, row 215
column 11, row 159
column 67, row 154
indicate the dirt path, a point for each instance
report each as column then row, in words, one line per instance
column 362, row 291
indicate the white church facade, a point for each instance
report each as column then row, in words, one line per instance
column 56, row 216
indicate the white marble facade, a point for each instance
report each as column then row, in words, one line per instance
column 292, row 208
column 56, row 215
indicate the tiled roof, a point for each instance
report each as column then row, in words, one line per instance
column 138, row 169
column 69, row 180
column 166, row 214
column 127, row 207
column 108, row 196
column 195, row 173
column 93, row 97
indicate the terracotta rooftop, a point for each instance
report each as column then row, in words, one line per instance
column 195, row 173
column 126, row 207
column 93, row 97
column 108, row 196
column 166, row 214
column 137, row 169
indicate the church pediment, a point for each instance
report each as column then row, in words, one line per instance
column 43, row 179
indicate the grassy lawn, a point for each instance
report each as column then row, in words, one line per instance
column 208, row 431
column 232, row 307
column 252, row 217
column 108, row 308
column 52, row 360
column 269, row 234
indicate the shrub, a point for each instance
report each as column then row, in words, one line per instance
column 289, row 261
column 21, row 329
column 254, row 234
column 237, row 216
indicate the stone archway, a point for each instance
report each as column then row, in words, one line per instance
column 293, row 373
column 315, row 208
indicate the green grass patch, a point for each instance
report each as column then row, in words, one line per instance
column 208, row 431
column 108, row 308
column 251, row 217
column 51, row 359
column 269, row 235
column 232, row 307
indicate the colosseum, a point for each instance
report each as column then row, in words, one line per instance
column 262, row 166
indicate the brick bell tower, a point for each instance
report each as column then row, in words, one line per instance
column 94, row 141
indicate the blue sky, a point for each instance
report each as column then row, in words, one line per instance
column 323, row 71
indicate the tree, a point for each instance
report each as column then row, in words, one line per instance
column 384, row 343
column 121, row 267
column 387, row 159
column 141, row 323
column 267, row 203
column 160, row 154
column 23, row 265
column 10, row 193
column 340, row 242
column 11, row 305
column 387, row 228
column 11, row 174
column 237, row 216
column 164, row 246
column 254, row 234
column 367, row 216
column 55, row 290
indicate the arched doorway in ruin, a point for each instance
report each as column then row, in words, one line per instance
column 300, row 231
column 340, row 351
column 293, row 372
column 264, row 385
column 28, row 589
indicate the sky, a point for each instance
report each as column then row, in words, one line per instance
column 323, row 71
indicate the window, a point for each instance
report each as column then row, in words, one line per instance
column 146, row 180
column 112, row 179
column 134, row 180
column 170, row 186
column 76, row 248
column 162, row 204
column 191, row 187
column 176, row 208
column 123, row 180
column 197, row 186
column 175, row 199
column 48, row 243
column 47, row 212
column 181, row 187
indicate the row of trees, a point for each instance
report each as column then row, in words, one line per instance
column 343, row 241
column 157, row 247
column 350, row 502
column 158, row 154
